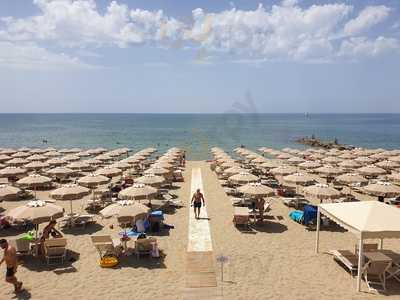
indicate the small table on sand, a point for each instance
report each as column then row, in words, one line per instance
column 377, row 256
column 394, row 271
column 124, row 243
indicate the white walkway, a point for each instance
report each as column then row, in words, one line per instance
column 201, row 280
column 199, row 230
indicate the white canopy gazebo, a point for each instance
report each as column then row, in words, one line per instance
column 366, row 220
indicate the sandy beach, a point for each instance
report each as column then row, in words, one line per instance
column 273, row 261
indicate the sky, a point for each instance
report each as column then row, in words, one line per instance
column 167, row 56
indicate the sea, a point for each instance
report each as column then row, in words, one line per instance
column 196, row 133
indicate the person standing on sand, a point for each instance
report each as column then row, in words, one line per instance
column 196, row 201
column 10, row 257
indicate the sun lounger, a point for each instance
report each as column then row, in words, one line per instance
column 374, row 273
column 94, row 204
column 83, row 220
column 125, row 221
column 367, row 247
column 178, row 176
column 241, row 216
column 22, row 246
column 105, row 245
column 347, row 258
column 230, row 191
column 293, row 202
column 237, row 201
column 55, row 249
column 144, row 246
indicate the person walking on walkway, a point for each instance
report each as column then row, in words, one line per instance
column 197, row 199
column 10, row 257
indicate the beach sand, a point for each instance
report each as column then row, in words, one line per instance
column 274, row 261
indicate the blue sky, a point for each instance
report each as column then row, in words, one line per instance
column 199, row 56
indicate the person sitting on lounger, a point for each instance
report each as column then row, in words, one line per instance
column 47, row 231
column 50, row 230
column 260, row 206
column 196, row 201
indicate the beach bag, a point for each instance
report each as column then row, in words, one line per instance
column 154, row 250
column 108, row 261
column 29, row 236
column 296, row 216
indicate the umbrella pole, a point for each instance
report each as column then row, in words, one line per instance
column 70, row 203
column 36, row 240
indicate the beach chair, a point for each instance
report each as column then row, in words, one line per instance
column 55, row 249
column 374, row 273
column 347, row 259
column 144, row 246
column 105, row 245
column 178, row 176
column 294, row 202
column 83, row 220
column 125, row 221
column 367, row 247
column 22, row 246
column 241, row 216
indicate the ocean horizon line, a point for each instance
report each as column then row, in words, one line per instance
column 200, row 113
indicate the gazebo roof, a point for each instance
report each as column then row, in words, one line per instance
column 369, row 219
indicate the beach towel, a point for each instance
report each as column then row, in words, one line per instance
column 131, row 232
column 296, row 215
column 29, row 236
column 157, row 214
column 310, row 214
column 140, row 226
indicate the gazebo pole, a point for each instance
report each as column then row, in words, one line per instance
column 360, row 262
column 317, row 233
column 381, row 245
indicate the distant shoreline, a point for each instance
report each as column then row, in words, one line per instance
column 198, row 113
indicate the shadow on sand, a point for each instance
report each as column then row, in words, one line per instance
column 40, row 265
column 24, row 294
column 90, row 229
column 143, row 262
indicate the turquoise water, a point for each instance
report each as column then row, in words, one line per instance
column 196, row 132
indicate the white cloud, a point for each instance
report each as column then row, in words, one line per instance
column 28, row 56
column 289, row 2
column 78, row 22
column 361, row 46
column 286, row 31
column 368, row 17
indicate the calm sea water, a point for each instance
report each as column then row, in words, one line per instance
column 196, row 132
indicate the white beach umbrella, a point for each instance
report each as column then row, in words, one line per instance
column 70, row 192
column 243, row 177
column 150, row 179
column 283, row 170
column 298, row 179
column 137, row 191
column 309, row 165
column 125, row 208
column 17, row 161
column 350, row 178
column 56, row 162
column 321, row 192
column 256, row 189
column 93, row 180
column 12, row 171
column 36, row 211
column 383, row 189
column 36, row 165
column 8, row 192
column 371, row 170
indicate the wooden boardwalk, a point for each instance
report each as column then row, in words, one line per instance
column 201, row 280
